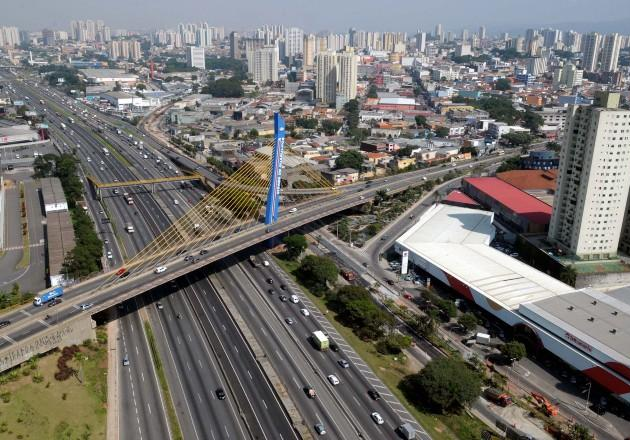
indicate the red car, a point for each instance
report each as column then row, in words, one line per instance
column 121, row 271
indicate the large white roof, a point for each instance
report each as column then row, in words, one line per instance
column 457, row 241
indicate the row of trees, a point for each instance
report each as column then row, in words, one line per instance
column 224, row 88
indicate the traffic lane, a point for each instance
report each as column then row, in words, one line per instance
column 187, row 361
column 287, row 359
column 353, row 386
column 143, row 392
column 259, row 403
column 181, row 390
column 201, row 364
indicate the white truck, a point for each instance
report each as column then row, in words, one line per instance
column 130, row 228
column 320, row 340
column 482, row 338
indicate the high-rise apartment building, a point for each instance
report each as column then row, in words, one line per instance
column 326, row 84
column 251, row 44
column 294, row 38
column 347, row 63
column 593, row 180
column 438, row 34
column 48, row 37
column 309, row 50
column 135, row 52
column 610, row 53
column 568, row 76
column 591, row 44
column 235, row 45
column 196, row 57
column 421, row 41
column 265, row 64
column 482, row 33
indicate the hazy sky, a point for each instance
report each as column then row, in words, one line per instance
column 316, row 15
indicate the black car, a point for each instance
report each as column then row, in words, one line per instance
column 4, row 323
column 188, row 258
column 124, row 275
column 374, row 395
column 54, row 302
column 271, row 291
column 283, row 298
column 270, row 280
column 283, row 286
column 334, row 347
column 220, row 394
column 203, row 252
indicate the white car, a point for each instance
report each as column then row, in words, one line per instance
column 109, row 255
column 377, row 418
column 175, row 202
column 295, row 299
column 292, row 210
column 334, row 381
column 305, row 312
column 160, row 269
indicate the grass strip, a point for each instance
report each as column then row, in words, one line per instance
column 119, row 157
column 171, row 415
column 26, row 251
column 391, row 370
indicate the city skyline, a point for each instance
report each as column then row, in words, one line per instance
column 495, row 14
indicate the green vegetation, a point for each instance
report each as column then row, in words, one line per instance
column 220, row 166
column 352, row 109
column 54, row 72
column 445, row 307
column 317, row 273
column 532, row 120
column 372, row 92
column 349, row 159
column 472, row 150
column 553, row 146
column 65, row 168
column 580, row 432
column 224, row 88
column 445, row 385
column 568, row 275
column 503, row 84
column 356, row 310
column 513, row 163
column 26, row 249
column 172, row 65
column 85, row 258
column 171, row 414
column 421, row 121
column 517, row 139
column 330, row 126
column 391, row 369
column 307, row 123
column 393, row 343
column 294, row 245
column 513, row 350
column 508, row 54
column 37, row 406
column 468, row 320
column 14, row 297
column 237, row 67
column 441, row 132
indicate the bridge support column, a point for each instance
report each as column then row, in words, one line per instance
column 273, row 195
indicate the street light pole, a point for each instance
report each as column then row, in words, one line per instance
column 588, row 396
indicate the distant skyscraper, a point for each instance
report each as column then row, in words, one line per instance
column 438, row 35
column 464, row 34
column 294, row 38
column 591, row 43
column 135, row 51
column 309, row 50
column 48, row 37
column 326, row 84
column 593, row 181
column 551, row 36
column 196, row 57
column 482, row 32
column 251, row 44
column 421, row 41
column 235, row 45
column 347, row 62
column 610, row 52
column 266, row 64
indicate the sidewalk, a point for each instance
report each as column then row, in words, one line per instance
column 113, row 418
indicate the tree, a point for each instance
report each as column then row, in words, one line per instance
column 513, row 350
column 503, row 84
column 513, row 163
column 421, row 121
column 553, row 146
column 580, row 432
column 568, row 275
column 352, row 113
column 469, row 321
column 349, row 159
column 330, row 126
column 517, row 138
column 441, row 132
column 372, row 92
column 224, row 88
column 317, row 273
column 356, row 309
column 141, row 86
column 444, row 385
column 472, row 150
column 393, row 344
column 295, row 244
column 532, row 120
column 307, row 123
column 253, row 133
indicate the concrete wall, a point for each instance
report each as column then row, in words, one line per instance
column 74, row 331
column 602, row 280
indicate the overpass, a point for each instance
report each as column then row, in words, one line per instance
column 31, row 333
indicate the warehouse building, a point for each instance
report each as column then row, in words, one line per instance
column 585, row 328
column 53, row 196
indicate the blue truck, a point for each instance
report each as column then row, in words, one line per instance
column 48, row 296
